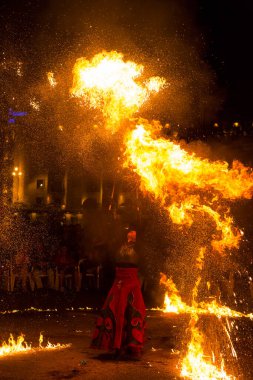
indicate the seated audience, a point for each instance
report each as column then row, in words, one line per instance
column 65, row 265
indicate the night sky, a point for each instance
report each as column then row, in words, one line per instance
column 46, row 34
column 228, row 30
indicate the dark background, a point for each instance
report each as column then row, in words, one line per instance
column 202, row 47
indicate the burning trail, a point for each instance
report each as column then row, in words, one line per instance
column 173, row 303
column 19, row 346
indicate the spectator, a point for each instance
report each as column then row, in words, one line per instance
column 42, row 267
column 89, row 265
column 21, row 267
column 65, row 265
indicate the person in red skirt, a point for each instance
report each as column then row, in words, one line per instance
column 120, row 326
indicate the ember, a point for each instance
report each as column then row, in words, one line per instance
column 51, row 79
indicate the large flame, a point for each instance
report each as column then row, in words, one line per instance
column 197, row 365
column 187, row 185
column 112, row 85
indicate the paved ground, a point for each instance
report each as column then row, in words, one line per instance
column 78, row 361
column 159, row 361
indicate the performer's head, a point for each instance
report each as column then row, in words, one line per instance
column 131, row 236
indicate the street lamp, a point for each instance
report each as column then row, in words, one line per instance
column 17, row 173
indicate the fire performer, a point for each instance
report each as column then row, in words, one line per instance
column 120, row 326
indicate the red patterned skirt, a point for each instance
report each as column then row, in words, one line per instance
column 122, row 318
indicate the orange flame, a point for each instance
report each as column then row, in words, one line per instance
column 172, row 300
column 187, row 185
column 14, row 346
column 110, row 84
column 20, row 346
column 173, row 304
column 196, row 365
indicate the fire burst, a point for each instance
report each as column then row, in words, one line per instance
column 185, row 185
column 110, row 84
